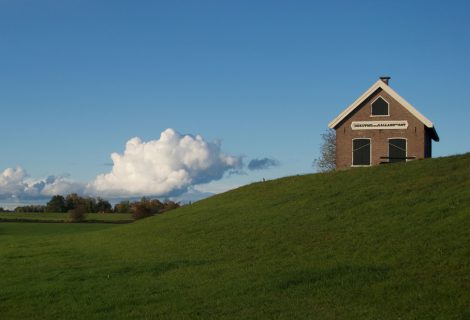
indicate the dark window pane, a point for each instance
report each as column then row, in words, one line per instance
column 361, row 152
column 380, row 107
column 397, row 150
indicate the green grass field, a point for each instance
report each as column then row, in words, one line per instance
column 34, row 216
column 388, row 242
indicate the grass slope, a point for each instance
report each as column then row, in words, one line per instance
column 389, row 242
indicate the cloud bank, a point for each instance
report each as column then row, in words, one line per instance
column 262, row 164
column 164, row 167
column 16, row 183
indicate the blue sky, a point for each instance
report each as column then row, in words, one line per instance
column 78, row 79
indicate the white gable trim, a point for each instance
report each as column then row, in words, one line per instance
column 392, row 93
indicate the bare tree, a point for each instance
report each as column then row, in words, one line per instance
column 327, row 160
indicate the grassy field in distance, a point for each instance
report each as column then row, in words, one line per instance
column 24, row 231
column 64, row 216
column 388, row 242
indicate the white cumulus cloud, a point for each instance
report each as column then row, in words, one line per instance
column 12, row 182
column 164, row 167
column 15, row 182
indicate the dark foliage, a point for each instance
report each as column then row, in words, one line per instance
column 170, row 205
column 103, row 206
column 31, row 208
column 56, row 204
column 90, row 204
column 148, row 207
column 141, row 210
column 78, row 214
column 123, row 207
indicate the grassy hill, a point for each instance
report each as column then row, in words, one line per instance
column 389, row 242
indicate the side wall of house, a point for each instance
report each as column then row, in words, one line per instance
column 415, row 134
column 428, row 143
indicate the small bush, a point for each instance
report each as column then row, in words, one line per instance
column 141, row 210
column 148, row 207
column 77, row 214
column 170, row 205
column 327, row 160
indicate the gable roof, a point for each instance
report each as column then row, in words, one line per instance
column 382, row 85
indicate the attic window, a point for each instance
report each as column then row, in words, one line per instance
column 380, row 107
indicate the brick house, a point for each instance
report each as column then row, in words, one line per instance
column 381, row 127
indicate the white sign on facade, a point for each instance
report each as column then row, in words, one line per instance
column 375, row 125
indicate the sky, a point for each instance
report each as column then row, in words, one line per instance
column 120, row 98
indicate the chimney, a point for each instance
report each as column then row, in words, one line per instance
column 385, row 80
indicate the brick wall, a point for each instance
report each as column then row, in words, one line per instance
column 416, row 133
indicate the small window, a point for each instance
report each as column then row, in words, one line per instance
column 380, row 107
column 361, row 152
column 396, row 150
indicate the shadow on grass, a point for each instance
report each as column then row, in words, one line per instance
column 26, row 220
column 157, row 269
column 340, row 275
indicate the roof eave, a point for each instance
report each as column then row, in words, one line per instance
column 353, row 106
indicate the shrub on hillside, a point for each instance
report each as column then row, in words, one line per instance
column 141, row 210
column 146, row 207
column 170, row 205
column 77, row 214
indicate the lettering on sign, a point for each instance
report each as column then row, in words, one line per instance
column 374, row 125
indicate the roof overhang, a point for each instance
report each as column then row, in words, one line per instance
column 382, row 85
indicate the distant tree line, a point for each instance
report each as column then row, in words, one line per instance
column 73, row 201
column 76, row 203
column 70, row 202
column 30, row 208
